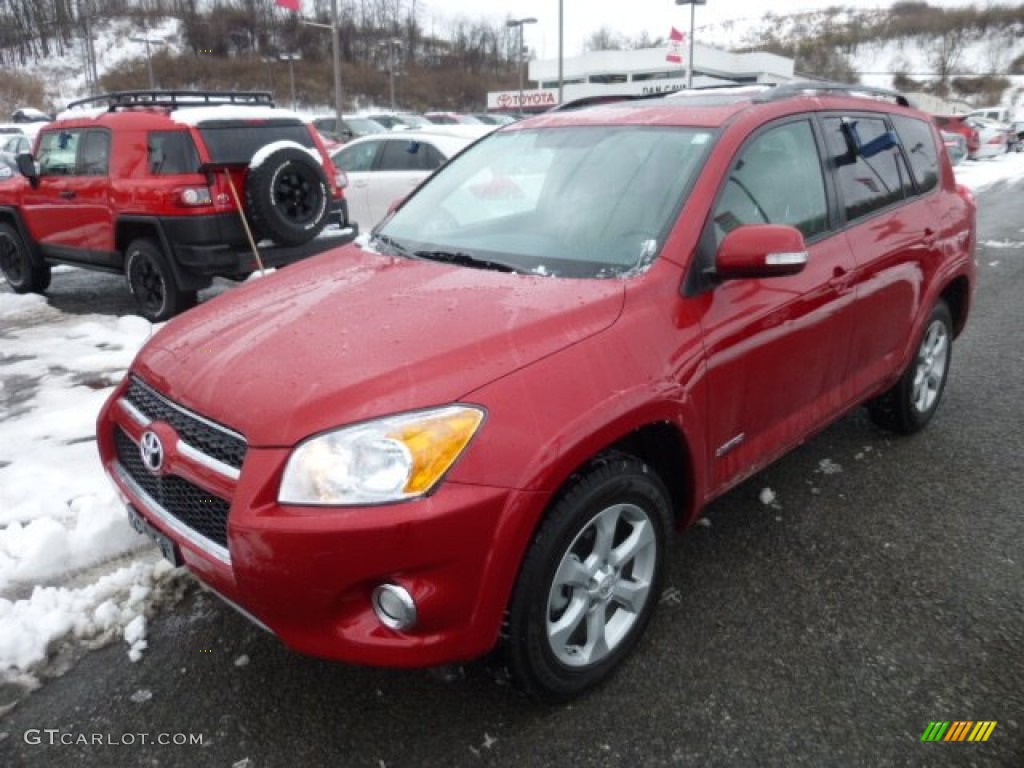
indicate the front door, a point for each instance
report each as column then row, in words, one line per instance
column 776, row 348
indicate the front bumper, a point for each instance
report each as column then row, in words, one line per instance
column 307, row 573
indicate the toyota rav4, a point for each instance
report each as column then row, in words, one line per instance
column 475, row 429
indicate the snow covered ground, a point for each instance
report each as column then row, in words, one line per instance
column 72, row 571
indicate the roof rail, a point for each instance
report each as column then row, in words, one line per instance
column 176, row 99
column 808, row 87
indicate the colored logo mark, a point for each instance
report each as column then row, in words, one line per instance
column 959, row 730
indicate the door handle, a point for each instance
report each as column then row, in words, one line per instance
column 69, row 194
column 840, row 280
column 929, row 237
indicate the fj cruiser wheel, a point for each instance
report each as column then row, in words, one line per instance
column 22, row 272
column 590, row 580
column 152, row 282
column 287, row 195
column 913, row 400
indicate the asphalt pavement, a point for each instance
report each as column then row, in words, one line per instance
column 881, row 590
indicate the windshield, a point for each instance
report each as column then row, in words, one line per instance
column 583, row 201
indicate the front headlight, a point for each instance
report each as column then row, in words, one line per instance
column 390, row 459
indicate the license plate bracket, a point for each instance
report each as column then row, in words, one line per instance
column 168, row 548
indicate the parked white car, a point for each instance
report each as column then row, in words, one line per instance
column 993, row 136
column 385, row 168
column 12, row 144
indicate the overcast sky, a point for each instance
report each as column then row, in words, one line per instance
column 627, row 17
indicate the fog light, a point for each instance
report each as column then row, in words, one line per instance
column 394, row 606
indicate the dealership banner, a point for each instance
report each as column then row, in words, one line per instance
column 542, row 98
column 675, row 46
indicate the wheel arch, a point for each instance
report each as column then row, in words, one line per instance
column 12, row 216
column 659, row 443
column 957, row 297
column 131, row 228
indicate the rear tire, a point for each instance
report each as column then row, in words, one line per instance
column 590, row 580
column 22, row 272
column 151, row 281
column 910, row 404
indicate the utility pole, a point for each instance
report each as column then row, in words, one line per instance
column 561, row 26
column 291, row 58
column 519, row 23
column 91, row 73
column 391, row 45
column 336, row 55
column 335, row 28
column 149, row 56
column 689, row 60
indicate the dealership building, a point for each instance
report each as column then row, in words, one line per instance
column 644, row 71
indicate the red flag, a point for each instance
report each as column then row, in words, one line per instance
column 675, row 46
column 291, row 5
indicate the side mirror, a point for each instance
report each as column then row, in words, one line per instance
column 760, row 250
column 28, row 168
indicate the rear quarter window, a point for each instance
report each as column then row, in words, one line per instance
column 171, row 152
column 919, row 144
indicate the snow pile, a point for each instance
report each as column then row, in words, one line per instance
column 61, row 523
column 978, row 174
column 113, row 605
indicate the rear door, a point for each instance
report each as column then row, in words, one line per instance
column 401, row 166
column 892, row 232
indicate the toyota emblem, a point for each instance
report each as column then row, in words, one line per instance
column 152, row 452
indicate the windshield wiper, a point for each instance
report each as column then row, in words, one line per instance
column 466, row 260
column 393, row 245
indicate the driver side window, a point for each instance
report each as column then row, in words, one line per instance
column 777, row 179
column 58, row 153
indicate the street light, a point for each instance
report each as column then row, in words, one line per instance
column 291, row 58
column 391, row 45
column 561, row 79
column 689, row 60
column 519, row 23
column 335, row 30
column 149, row 56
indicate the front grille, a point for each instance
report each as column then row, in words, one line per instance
column 205, row 436
column 201, row 511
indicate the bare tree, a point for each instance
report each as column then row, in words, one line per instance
column 604, row 39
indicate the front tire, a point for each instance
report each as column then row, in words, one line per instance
column 152, row 283
column 21, row 271
column 910, row 404
column 590, row 580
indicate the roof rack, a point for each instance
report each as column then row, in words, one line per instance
column 176, row 99
column 605, row 98
column 807, row 87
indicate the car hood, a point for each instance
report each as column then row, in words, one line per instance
column 349, row 335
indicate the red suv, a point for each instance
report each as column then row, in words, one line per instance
column 961, row 124
column 477, row 428
column 171, row 188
